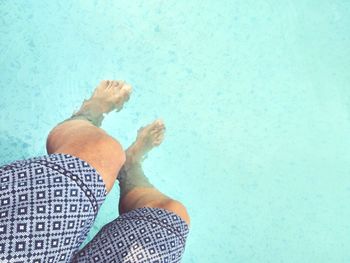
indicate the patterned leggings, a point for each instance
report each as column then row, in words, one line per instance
column 49, row 203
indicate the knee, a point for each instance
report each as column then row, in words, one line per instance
column 114, row 148
column 55, row 139
column 69, row 134
column 106, row 155
column 177, row 208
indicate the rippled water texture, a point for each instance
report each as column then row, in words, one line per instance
column 255, row 96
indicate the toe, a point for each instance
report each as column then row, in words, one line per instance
column 104, row 83
column 157, row 142
column 154, row 126
column 111, row 84
column 156, row 133
column 126, row 89
column 159, row 124
column 115, row 83
column 126, row 95
column 121, row 84
column 159, row 128
column 160, row 137
column 124, row 92
column 153, row 132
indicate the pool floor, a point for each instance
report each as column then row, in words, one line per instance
column 255, row 96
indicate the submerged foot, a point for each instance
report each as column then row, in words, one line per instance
column 148, row 137
column 112, row 94
column 107, row 96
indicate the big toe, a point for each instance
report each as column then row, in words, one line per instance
column 158, row 137
column 126, row 91
column 105, row 83
column 102, row 86
column 159, row 124
column 116, row 84
column 158, row 129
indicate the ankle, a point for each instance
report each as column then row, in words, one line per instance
column 131, row 162
column 132, row 159
column 93, row 105
column 90, row 111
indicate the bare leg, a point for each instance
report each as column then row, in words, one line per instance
column 136, row 191
column 81, row 136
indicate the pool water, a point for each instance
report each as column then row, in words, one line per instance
column 255, row 96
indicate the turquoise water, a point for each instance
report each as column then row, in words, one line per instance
column 255, row 96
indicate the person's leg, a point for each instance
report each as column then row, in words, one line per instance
column 135, row 189
column 152, row 227
column 81, row 136
column 47, row 207
column 142, row 235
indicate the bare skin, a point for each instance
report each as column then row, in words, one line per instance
column 148, row 137
column 109, row 96
column 82, row 138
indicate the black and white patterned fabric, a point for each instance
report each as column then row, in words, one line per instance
column 47, row 207
column 141, row 235
column 49, row 203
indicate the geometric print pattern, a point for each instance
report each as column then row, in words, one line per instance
column 141, row 235
column 48, row 205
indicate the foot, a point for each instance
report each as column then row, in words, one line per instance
column 148, row 137
column 109, row 95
